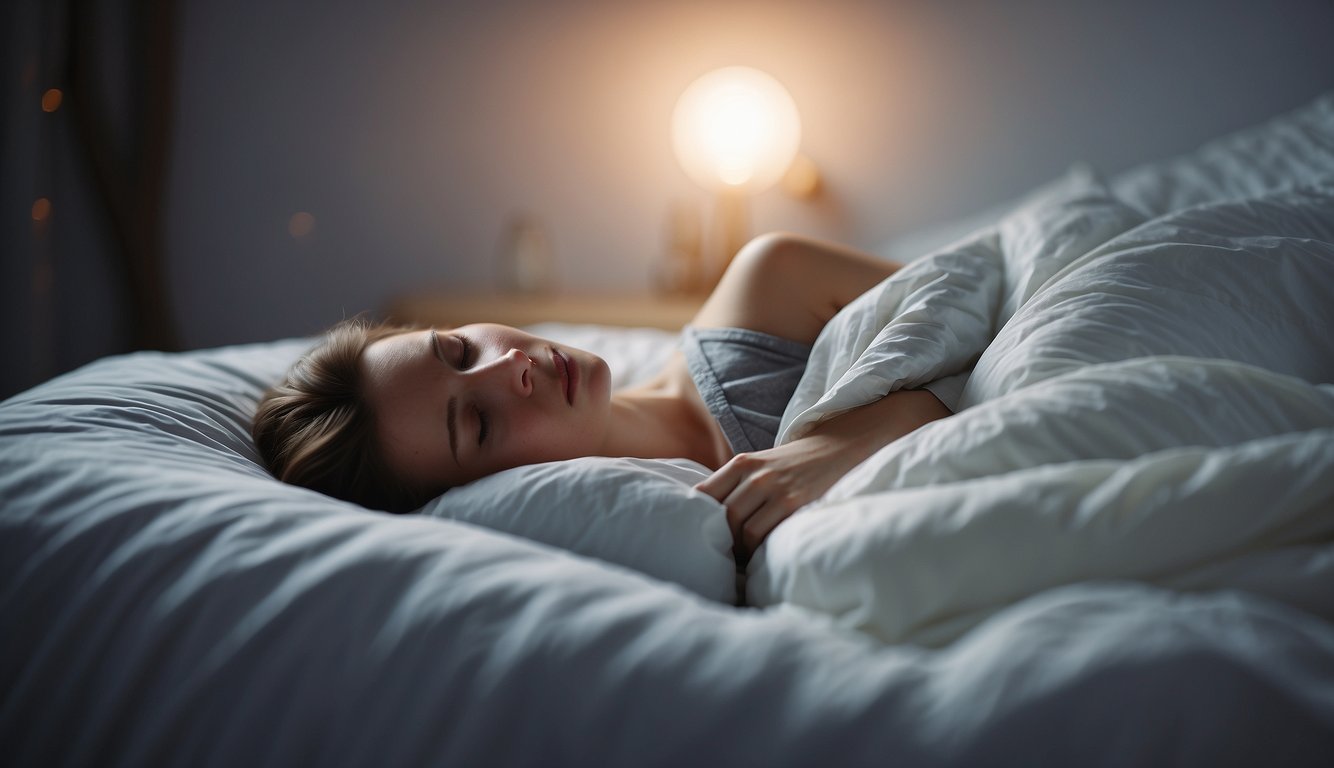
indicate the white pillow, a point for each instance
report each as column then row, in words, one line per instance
column 643, row 514
column 1294, row 148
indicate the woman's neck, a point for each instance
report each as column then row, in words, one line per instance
column 657, row 422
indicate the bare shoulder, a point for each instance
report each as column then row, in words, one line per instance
column 790, row 286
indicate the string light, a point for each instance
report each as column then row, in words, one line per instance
column 51, row 99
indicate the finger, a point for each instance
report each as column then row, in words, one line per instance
column 756, row 487
column 722, row 482
column 762, row 522
column 740, row 504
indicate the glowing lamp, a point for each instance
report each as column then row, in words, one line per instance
column 736, row 132
column 736, row 129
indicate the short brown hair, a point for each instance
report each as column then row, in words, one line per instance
column 317, row 430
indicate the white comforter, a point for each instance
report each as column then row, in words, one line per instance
column 1143, row 407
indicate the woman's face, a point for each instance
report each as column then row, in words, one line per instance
column 455, row 405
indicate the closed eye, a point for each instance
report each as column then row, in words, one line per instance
column 466, row 356
column 466, row 352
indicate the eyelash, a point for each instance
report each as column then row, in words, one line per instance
column 467, row 353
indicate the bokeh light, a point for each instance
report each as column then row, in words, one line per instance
column 51, row 99
column 301, row 224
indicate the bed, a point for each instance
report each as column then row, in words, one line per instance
column 1120, row 551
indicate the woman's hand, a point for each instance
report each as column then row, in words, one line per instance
column 764, row 488
column 761, row 489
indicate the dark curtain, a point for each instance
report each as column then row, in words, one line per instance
column 88, row 102
column 129, row 176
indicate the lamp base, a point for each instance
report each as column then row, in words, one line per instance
column 731, row 231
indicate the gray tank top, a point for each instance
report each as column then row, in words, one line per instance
column 746, row 378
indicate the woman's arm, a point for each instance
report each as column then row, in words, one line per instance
column 790, row 286
column 762, row 489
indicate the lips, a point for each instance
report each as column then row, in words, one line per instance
column 568, row 370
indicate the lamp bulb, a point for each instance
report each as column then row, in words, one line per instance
column 736, row 128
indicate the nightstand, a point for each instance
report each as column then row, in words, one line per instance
column 646, row 310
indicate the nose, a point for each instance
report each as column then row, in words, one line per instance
column 512, row 371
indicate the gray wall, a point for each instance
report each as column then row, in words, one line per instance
column 412, row 129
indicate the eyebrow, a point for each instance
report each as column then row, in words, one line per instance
column 451, row 417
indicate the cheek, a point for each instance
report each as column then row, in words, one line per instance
column 540, row 437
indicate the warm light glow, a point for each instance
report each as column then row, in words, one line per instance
column 301, row 224
column 802, row 179
column 51, row 99
column 736, row 128
column 41, row 209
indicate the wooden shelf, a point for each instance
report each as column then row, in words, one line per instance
column 646, row 310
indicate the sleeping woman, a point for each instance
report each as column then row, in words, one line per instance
column 391, row 416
